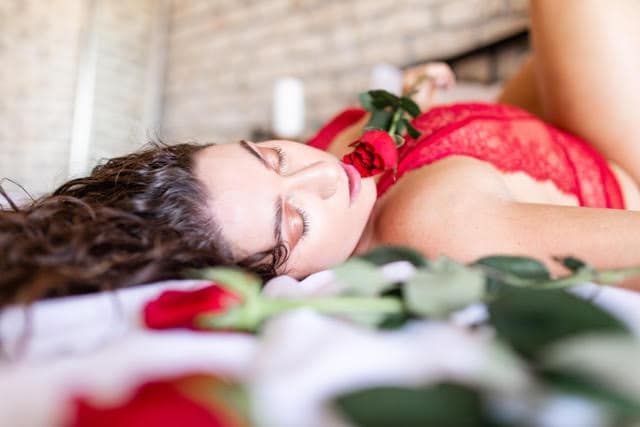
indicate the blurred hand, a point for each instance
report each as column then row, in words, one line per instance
column 421, row 82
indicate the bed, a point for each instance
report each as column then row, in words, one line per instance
column 95, row 344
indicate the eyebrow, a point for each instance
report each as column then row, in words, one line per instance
column 277, row 227
column 244, row 144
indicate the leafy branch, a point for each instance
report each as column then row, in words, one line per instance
column 390, row 113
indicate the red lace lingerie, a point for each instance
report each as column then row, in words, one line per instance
column 507, row 137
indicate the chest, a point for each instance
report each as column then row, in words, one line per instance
column 526, row 189
column 466, row 171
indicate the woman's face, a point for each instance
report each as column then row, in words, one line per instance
column 262, row 192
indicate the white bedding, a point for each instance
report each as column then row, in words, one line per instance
column 95, row 345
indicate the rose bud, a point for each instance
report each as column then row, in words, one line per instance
column 163, row 403
column 374, row 153
column 178, row 309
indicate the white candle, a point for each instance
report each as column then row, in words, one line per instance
column 288, row 107
column 387, row 77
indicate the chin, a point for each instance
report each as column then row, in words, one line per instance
column 368, row 196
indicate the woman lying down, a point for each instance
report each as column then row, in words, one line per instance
column 554, row 173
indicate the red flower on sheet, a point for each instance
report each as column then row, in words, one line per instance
column 178, row 309
column 165, row 403
column 374, row 153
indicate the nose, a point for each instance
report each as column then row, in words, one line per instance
column 321, row 178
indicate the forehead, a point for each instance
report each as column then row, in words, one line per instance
column 242, row 196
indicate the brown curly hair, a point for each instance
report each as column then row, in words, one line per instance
column 135, row 219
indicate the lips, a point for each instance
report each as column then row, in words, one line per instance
column 353, row 177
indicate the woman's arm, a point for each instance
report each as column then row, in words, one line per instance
column 604, row 238
column 586, row 60
column 520, row 90
column 468, row 216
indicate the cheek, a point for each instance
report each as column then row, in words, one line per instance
column 338, row 236
column 325, row 246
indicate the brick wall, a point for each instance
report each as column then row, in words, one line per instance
column 38, row 58
column 224, row 55
column 85, row 79
column 125, row 50
column 76, row 82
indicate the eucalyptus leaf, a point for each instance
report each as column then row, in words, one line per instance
column 523, row 267
column 411, row 130
column 385, row 254
column 501, row 269
column 244, row 317
column 573, row 264
column 245, row 283
column 366, row 319
column 394, row 321
column 444, row 404
column 607, row 361
column 443, row 287
column 531, row 319
column 409, row 106
column 366, row 101
column 379, row 120
column 360, row 277
column 617, row 404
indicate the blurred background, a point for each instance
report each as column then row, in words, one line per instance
column 82, row 80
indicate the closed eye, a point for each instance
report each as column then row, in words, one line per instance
column 282, row 160
column 305, row 221
column 281, row 169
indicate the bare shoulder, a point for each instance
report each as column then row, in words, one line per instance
column 460, row 208
column 429, row 207
column 454, row 179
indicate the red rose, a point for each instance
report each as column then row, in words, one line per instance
column 178, row 309
column 375, row 152
column 158, row 404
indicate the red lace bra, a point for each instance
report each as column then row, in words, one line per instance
column 507, row 137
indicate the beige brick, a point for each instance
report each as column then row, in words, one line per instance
column 477, row 68
column 222, row 59
column 456, row 13
column 518, row 5
column 509, row 62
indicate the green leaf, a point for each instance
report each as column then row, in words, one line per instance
column 411, row 130
column 245, row 317
column 409, row 106
column 523, row 267
column 384, row 97
column 379, row 120
column 498, row 270
column 393, row 321
column 360, row 277
column 385, row 254
column 443, row 287
column 245, row 283
column 619, row 404
column 380, row 104
column 573, row 264
column 366, row 101
column 530, row 319
column 445, row 404
column 602, row 367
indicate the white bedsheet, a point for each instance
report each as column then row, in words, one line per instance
column 95, row 345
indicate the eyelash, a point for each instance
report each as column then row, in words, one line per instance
column 282, row 166
column 282, row 159
column 305, row 221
